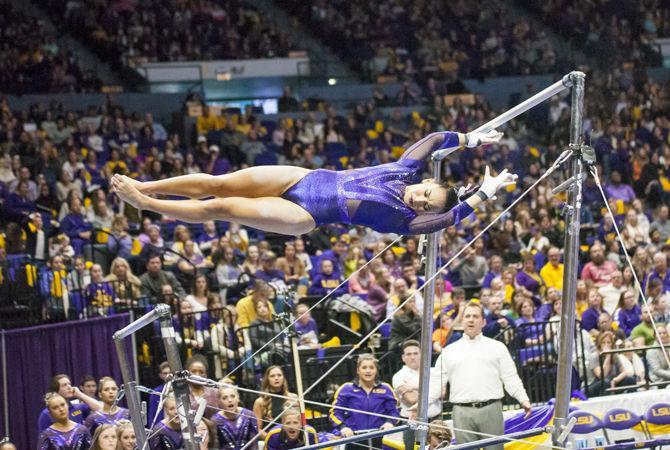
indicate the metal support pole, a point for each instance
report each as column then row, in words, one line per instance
column 571, row 261
column 179, row 383
column 504, row 439
column 132, row 396
column 349, row 440
column 420, row 435
column 293, row 339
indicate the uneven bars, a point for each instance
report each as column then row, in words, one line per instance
column 519, row 109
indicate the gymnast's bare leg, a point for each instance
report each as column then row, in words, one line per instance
column 253, row 182
column 266, row 213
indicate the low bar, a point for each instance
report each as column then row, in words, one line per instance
column 519, row 109
column 501, row 439
column 140, row 323
column 357, row 438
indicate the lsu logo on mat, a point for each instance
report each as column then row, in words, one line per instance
column 660, row 412
column 621, row 417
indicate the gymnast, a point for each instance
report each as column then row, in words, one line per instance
column 389, row 198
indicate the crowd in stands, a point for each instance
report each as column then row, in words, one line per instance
column 33, row 60
column 132, row 33
column 425, row 40
column 617, row 31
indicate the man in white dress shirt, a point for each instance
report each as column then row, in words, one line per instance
column 406, row 386
column 478, row 369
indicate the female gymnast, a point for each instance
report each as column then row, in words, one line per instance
column 389, row 198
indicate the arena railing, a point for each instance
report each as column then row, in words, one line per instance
column 534, row 348
column 642, row 352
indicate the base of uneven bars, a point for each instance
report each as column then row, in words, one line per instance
column 501, row 439
column 357, row 438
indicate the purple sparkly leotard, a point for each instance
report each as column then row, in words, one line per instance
column 325, row 193
column 78, row 438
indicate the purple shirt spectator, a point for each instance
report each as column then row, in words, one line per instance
column 629, row 319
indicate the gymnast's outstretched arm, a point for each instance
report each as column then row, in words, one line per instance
column 435, row 141
column 448, row 139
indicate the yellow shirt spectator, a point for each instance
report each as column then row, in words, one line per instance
column 552, row 272
column 552, row 275
column 208, row 122
column 246, row 307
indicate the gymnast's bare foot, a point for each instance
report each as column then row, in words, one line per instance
column 135, row 183
column 125, row 188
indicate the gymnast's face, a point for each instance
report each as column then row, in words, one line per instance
column 427, row 196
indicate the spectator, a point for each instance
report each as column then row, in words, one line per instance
column 659, row 371
column 495, row 270
column 98, row 296
column 472, row 269
column 362, row 279
column 405, row 323
column 643, row 333
column 292, row 266
column 19, row 205
column 496, row 321
column 89, row 386
column 552, row 272
column 660, row 272
column 628, row 312
column 305, row 326
column 125, row 284
column 609, row 369
column 76, row 227
column 528, row 277
column 246, row 307
column 252, row 264
column 268, row 409
column 661, row 223
column 155, row 277
column 269, row 273
column 618, row 190
column 598, row 270
column 201, row 298
column 262, row 330
column 634, row 363
column 611, row 292
column 327, row 282
column 287, row 102
column 120, row 243
column 406, row 386
column 590, row 316
column 228, row 273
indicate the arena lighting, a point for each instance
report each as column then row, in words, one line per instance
column 332, row 81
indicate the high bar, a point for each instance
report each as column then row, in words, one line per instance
column 560, row 85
